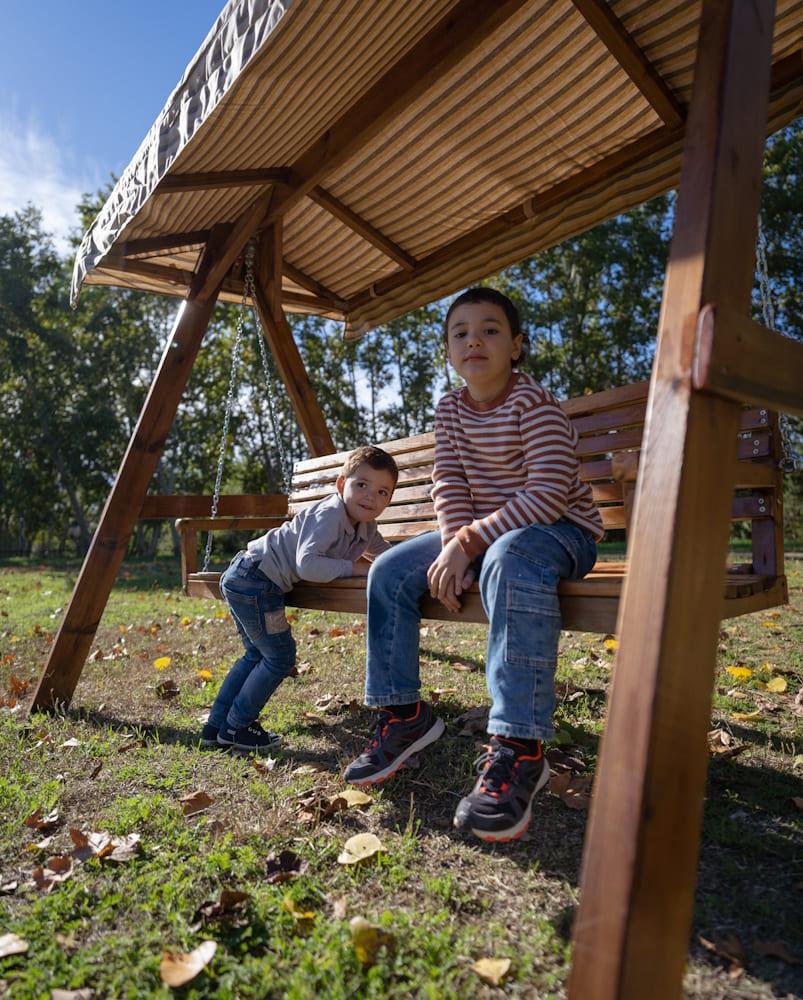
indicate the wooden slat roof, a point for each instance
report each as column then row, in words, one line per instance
column 412, row 148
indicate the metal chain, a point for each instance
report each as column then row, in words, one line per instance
column 235, row 361
column 789, row 460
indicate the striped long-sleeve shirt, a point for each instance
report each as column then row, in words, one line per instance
column 505, row 464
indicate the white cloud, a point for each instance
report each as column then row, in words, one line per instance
column 35, row 168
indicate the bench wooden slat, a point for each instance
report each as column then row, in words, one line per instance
column 167, row 506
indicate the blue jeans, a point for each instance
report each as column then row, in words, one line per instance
column 518, row 577
column 257, row 607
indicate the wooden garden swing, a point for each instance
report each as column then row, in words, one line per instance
column 371, row 187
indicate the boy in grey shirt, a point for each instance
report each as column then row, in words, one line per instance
column 334, row 537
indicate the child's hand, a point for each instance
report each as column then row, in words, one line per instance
column 360, row 567
column 447, row 573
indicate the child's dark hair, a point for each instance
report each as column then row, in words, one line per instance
column 480, row 293
column 368, row 454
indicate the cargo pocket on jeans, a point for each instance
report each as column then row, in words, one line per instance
column 533, row 623
column 276, row 621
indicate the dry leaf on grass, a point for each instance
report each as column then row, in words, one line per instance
column 283, row 867
column 11, row 944
column 491, row 970
column 721, row 742
column 302, row 919
column 777, row 685
column 83, row 994
column 776, row 949
column 162, row 662
column 573, row 790
column 561, row 761
column 43, row 823
column 367, row 939
column 229, row 905
column 195, row 802
column 746, row 716
column 104, row 846
column 460, row 668
column 740, row 673
column 58, row 869
column 473, row 722
column 359, row 848
column 349, row 798
column 303, row 667
column 167, row 689
column 727, row 947
column 96, row 770
column 177, row 969
column 8, row 887
column 263, row 764
column 339, row 908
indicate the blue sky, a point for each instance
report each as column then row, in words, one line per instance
column 80, row 85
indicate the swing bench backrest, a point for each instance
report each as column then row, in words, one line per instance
column 610, row 427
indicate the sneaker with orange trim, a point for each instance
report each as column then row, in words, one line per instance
column 394, row 742
column 499, row 807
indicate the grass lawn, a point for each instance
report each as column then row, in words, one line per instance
column 123, row 761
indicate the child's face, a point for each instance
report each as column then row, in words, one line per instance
column 481, row 346
column 366, row 492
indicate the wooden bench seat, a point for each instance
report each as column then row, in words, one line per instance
column 610, row 426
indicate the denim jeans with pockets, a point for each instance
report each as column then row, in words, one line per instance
column 257, row 607
column 518, row 577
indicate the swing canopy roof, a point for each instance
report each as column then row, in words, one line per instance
column 411, row 148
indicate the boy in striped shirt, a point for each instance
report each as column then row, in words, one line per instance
column 512, row 511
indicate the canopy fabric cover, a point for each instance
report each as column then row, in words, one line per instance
column 554, row 116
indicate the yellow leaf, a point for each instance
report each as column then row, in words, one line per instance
column 186, row 621
column 769, row 623
column 740, row 673
column 10, row 944
column 610, row 645
column 744, row 716
column 491, row 970
column 162, row 662
column 359, row 848
column 177, row 969
column 204, row 675
column 777, row 685
column 349, row 799
column 303, row 918
column 368, row 939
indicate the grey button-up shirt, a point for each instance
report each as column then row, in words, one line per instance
column 319, row 544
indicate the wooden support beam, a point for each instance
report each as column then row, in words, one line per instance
column 739, row 359
column 108, row 546
column 156, row 244
column 632, row 928
column 359, row 225
column 641, row 71
column 465, row 26
column 279, row 336
column 302, row 278
column 171, row 183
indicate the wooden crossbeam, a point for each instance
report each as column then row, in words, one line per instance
column 633, row 61
column 742, row 360
column 207, row 181
column 82, row 617
column 302, row 278
column 359, row 225
column 631, row 932
column 155, row 244
column 466, row 25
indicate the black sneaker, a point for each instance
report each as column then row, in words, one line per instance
column 250, row 739
column 209, row 737
column 394, row 742
column 499, row 806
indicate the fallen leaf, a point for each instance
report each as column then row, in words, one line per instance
column 176, row 969
column 564, row 761
column 460, row 668
column 167, row 689
column 339, row 909
column 16, row 686
column 740, row 673
column 204, row 675
column 303, row 919
column 359, row 848
column 491, row 970
column 125, row 848
column 316, row 720
column 367, row 939
column 474, row 722
column 44, row 823
column 350, row 798
column 73, row 742
column 11, row 944
column 573, row 790
column 303, row 668
column 745, row 716
column 777, row 685
column 195, row 802
column 729, row 947
column 776, row 949
column 358, row 628
column 90, row 845
column 162, row 663
column 230, row 902
column 8, row 887
column 611, row 645
column 721, row 742
column 263, row 764
column 96, row 770
column 314, row 632
column 436, row 693
column 42, row 845
column 83, row 994
column 284, row 867
column 58, row 869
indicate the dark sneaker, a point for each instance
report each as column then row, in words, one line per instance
column 395, row 741
column 209, row 737
column 499, row 807
column 250, row 739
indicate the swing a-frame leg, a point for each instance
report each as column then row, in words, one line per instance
column 632, row 927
